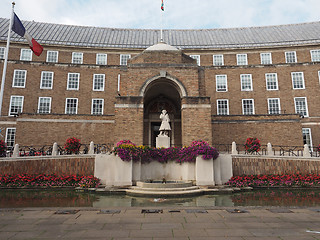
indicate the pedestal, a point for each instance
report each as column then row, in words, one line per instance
column 163, row 142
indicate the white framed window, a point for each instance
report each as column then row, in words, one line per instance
column 222, row 107
column 2, row 52
column 19, row 78
column 124, row 59
column 266, row 58
column 242, row 59
column 97, row 106
column 301, row 106
column 297, row 80
column 71, row 106
column 315, row 55
column 196, row 57
column 77, row 57
column 221, row 83
column 46, row 80
column 218, row 60
column 98, row 82
column 26, row 55
column 319, row 76
column 246, row 82
column 247, row 106
column 101, row 59
column 44, row 105
column 307, row 138
column 274, row 106
column 73, row 81
column 52, row 56
column 16, row 105
column 272, row 81
column 291, row 57
column 10, row 137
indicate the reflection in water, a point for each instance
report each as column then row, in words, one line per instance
column 68, row 198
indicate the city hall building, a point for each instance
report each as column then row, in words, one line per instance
column 107, row 84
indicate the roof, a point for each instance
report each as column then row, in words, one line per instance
column 84, row 36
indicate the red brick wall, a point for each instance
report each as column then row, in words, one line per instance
column 66, row 165
column 253, row 165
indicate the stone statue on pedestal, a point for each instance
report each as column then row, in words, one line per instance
column 165, row 126
column 163, row 139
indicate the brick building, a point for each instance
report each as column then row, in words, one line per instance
column 219, row 85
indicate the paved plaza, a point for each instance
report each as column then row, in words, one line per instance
column 162, row 223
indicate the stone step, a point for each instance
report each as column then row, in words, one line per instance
column 164, row 189
column 136, row 192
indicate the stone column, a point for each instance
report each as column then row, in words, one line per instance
column 15, row 153
column 269, row 149
column 204, row 171
column 234, row 149
column 54, row 149
column 306, row 151
column 91, row 148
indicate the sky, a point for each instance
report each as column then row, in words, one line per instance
column 178, row 14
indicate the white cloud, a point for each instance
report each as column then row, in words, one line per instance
column 178, row 13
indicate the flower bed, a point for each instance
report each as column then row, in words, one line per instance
column 285, row 180
column 128, row 151
column 47, row 181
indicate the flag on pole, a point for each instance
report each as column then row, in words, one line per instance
column 162, row 5
column 18, row 28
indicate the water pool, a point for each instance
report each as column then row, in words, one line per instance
column 69, row 198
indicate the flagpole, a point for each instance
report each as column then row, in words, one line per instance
column 6, row 60
column 161, row 29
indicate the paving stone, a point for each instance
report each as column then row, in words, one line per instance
column 151, row 233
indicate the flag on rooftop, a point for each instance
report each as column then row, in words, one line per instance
column 18, row 28
column 162, row 5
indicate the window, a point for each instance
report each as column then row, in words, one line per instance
column 265, row 58
column 315, row 55
column 221, row 83
column 26, row 55
column 19, row 78
column 197, row 57
column 272, row 81
column 247, row 106
column 52, row 56
column 218, row 60
column 44, row 105
column 77, row 57
column 73, row 81
column 246, row 82
column 16, row 105
column 319, row 76
column 10, row 137
column 46, row 80
column 71, row 106
column 297, row 80
column 101, row 59
column 291, row 57
column 97, row 106
column 222, row 107
column 242, row 59
column 2, row 52
column 124, row 59
column 274, row 106
column 307, row 139
column 98, row 82
column 301, row 106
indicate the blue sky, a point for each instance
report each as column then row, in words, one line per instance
column 179, row 14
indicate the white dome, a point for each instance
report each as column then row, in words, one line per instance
column 161, row 46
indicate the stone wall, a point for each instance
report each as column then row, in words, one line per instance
column 255, row 165
column 62, row 165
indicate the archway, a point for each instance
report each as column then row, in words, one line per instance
column 159, row 94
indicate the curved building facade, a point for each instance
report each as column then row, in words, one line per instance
column 218, row 85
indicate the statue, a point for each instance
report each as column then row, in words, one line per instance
column 165, row 126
